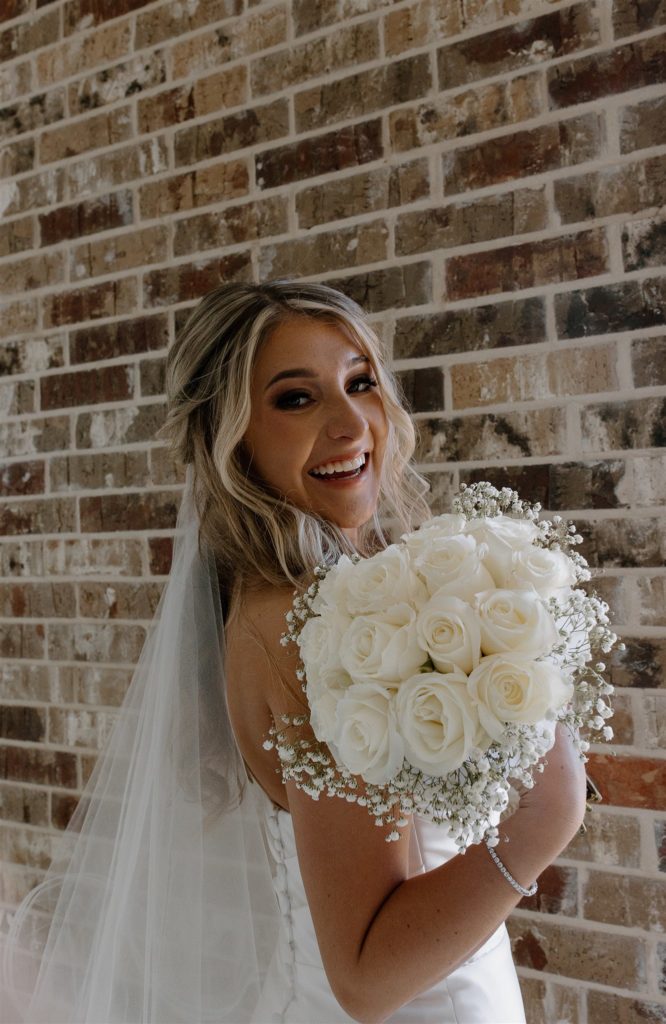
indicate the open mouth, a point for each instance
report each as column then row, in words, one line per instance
column 351, row 474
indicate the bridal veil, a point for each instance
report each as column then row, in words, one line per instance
column 158, row 905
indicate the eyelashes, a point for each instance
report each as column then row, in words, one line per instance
column 286, row 401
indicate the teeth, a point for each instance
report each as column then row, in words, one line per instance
column 339, row 467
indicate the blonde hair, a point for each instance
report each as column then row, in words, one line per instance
column 256, row 535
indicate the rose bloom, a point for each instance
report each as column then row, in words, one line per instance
column 366, row 737
column 378, row 582
column 382, row 647
column 515, row 620
column 546, row 570
column 452, row 565
column 448, row 629
column 438, row 721
column 502, row 536
column 514, row 689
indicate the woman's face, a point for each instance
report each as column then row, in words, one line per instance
column 324, row 409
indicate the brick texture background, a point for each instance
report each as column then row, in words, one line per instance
column 488, row 178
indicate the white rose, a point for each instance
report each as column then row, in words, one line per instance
column 452, row 565
column 512, row 689
column 546, row 570
column 382, row 647
column 449, row 524
column 333, row 587
column 515, row 620
column 319, row 641
column 366, row 738
column 380, row 581
column 502, row 535
column 448, row 629
column 323, row 693
column 438, row 721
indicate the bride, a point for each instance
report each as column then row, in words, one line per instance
column 194, row 884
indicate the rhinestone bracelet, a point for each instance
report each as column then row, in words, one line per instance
column 509, row 877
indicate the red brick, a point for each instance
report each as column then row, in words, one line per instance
column 19, row 236
column 608, row 1006
column 394, row 287
column 225, row 89
column 27, row 437
column 200, row 187
column 36, row 271
column 625, row 900
column 46, row 767
column 532, row 151
column 527, row 265
column 123, row 425
column 557, row 892
column 233, row 132
column 643, row 125
column 397, row 81
column 123, row 338
column 112, row 298
column 14, row 9
column 95, row 642
column 172, row 19
column 62, row 809
column 26, row 682
column 48, row 515
column 192, row 279
column 88, row 218
column 118, row 600
column 74, row 56
column 350, row 146
column 517, row 45
column 42, row 353
column 37, row 600
column 103, row 384
column 31, row 34
column 83, row 14
column 603, row 309
column 22, row 478
column 632, row 66
column 85, row 556
column 630, row 781
column 22, row 640
column 516, row 322
column 104, row 513
column 232, row 225
column 125, row 79
column 29, row 115
column 600, row 957
column 152, row 376
column 100, row 130
column 127, row 468
column 28, row 806
column 21, row 723
column 160, row 553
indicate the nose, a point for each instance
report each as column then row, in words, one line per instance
column 345, row 418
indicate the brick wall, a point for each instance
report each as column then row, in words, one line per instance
column 489, row 180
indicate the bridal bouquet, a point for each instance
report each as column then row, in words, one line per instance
column 437, row 669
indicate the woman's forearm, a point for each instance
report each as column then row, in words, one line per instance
column 433, row 922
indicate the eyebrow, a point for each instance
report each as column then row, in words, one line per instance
column 302, row 371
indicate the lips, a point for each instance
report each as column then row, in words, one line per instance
column 339, row 458
column 351, row 478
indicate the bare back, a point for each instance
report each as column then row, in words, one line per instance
column 245, row 669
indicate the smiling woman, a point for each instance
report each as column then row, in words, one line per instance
column 338, row 418
column 183, row 893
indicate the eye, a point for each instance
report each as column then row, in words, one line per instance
column 287, row 400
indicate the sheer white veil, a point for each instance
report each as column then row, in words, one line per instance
column 158, row 905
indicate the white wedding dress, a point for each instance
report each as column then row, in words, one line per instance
column 484, row 990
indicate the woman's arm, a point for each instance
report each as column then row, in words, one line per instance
column 384, row 937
